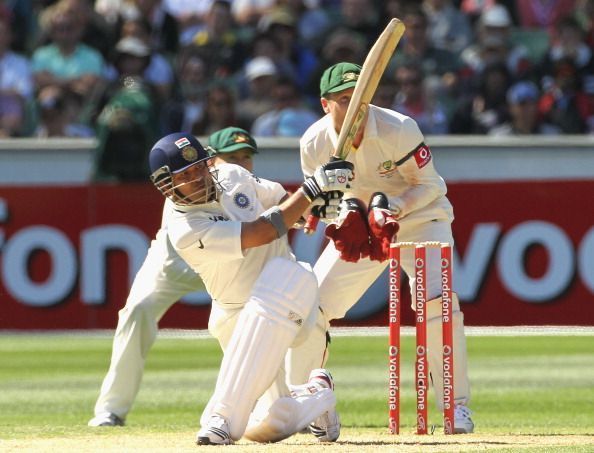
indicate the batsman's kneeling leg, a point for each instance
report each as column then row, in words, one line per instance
column 289, row 415
column 281, row 300
column 312, row 353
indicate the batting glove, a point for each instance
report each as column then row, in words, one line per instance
column 326, row 206
column 334, row 175
column 382, row 227
column 350, row 232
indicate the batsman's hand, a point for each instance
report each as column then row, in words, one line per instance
column 335, row 175
column 350, row 232
column 326, row 206
column 382, row 227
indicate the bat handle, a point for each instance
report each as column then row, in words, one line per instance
column 311, row 224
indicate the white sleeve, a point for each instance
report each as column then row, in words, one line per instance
column 269, row 193
column 424, row 183
column 308, row 161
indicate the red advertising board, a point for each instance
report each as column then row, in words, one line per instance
column 524, row 255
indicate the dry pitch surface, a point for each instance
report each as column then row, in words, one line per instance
column 350, row 441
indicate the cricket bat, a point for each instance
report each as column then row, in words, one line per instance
column 371, row 73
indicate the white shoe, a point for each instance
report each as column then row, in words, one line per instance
column 462, row 422
column 106, row 419
column 216, row 432
column 327, row 426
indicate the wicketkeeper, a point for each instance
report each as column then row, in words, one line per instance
column 396, row 191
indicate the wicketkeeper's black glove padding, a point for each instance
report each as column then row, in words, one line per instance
column 350, row 232
column 382, row 227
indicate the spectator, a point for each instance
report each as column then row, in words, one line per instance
column 159, row 72
column 219, row 111
column 543, row 13
column 289, row 118
column 448, row 28
column 385, row 94
column 413, row 100
column 19, row 17
column 57, row 115
column 440, row 67
column 187, row 107
column 164, row 27
column 390, row 9
column 474, row 8
column 97, row 32
column 218, row 42
column 67, row 62
column 261, row 75
column 294, row 60
column 522, row 101
column 112, row 10
column 564, row 102
column 569, row 42
column 485, row 108
column 16, row 85
column 247, row 13
column 312, row 22
column 127, row 124
column 360, row 16
column 189, row 15
column 264, row 44
column 494, row 45
column 341, row 45
column 585, row 16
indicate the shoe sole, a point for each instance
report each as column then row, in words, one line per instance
column 207, row 441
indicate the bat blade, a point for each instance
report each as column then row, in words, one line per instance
column 371, row 73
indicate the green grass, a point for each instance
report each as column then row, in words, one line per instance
column 520, row 385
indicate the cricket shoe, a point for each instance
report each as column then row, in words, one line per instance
column 216, row 432
column 327, row 426
column 462, row 422
column 106, row 419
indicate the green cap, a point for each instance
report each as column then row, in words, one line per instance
column 339, row 77
column 229, row 140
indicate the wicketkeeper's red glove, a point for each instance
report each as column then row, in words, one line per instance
column 350, row 232
column 382, row 227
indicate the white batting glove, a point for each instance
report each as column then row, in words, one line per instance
column 326, row 206
column 329, row 177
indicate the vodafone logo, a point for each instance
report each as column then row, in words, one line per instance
column 422, row 155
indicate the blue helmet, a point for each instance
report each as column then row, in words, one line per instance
column 174, row 154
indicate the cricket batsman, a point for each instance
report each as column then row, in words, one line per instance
column 231, row 229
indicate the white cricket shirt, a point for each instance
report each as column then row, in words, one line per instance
column 208, row 237
column 392, row 158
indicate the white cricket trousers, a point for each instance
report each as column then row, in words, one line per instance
column 162, row 280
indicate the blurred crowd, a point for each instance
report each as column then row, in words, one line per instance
column 129, row 71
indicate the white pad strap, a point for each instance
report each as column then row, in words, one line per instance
column 281, row 300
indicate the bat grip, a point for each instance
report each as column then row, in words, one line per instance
column 311, row 224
